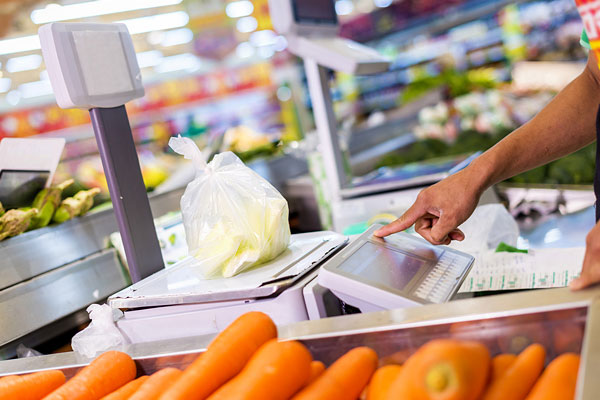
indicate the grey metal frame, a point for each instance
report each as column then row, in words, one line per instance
column 128, row 194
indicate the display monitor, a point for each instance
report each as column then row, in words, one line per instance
column 383, row 265
column 314, row 11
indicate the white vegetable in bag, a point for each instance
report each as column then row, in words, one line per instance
column 101, row 334
column 233, row 218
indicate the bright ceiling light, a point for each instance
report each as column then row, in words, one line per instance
column 239, row 9
column 158, row 22
column 35, row 89
column 149, row 58
column 344, row 7
column 20, row 44
column 382, row 3
column 5, row 85
column 180, row 62
column 244, row 50
column 246, row 24
column 24, row 63
column 56, row 12
column 177, row 37
column 263, row 38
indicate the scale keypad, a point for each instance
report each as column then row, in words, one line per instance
column 440, row 281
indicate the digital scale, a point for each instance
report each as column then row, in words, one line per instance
column 398, row 271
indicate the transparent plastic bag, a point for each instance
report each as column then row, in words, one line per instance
column 233, row 218
column 489, row 225
column 101, row 334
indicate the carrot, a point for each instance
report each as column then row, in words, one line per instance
column 381, row 382
column 518, row 380
column 32, row 386
column 108, row 372
column 156, row 384
column 501, row 363
column 275, row 372
column 344, row 379
column 558, row 380
column 224, row 358
column 444, row 369
column 124, row 392
column 316, row 369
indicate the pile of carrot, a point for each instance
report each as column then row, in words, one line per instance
column 247, row 362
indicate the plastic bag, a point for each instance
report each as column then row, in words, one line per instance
column 101, row 334
column 233, row 218
column 489, row 225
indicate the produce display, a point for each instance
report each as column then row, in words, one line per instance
column 47, row 206
column 247, row 361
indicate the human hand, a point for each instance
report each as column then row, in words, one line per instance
column 590, row 272
column 441, row 208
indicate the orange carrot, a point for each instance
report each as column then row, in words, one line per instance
column 275, row 372
column 316, row 369
column 104, row 375
column 224, row 358
column 379, row 387
column 518, row 380
column 344, row 379
column 124, row 392
column 32, row 386
column 444, row 369
column 501, row 363
column 559, row 380
column 156, row 384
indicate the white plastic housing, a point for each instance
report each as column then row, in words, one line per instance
column 285, row 23
column 91, row 65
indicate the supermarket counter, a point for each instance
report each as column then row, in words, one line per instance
column 505, row 323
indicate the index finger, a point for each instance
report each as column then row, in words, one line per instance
column 402, row 223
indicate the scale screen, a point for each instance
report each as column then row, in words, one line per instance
column 315, row 11
column 399, row 271
column 383, row 265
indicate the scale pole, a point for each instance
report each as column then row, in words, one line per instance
column 127, row 191
column 326, row 123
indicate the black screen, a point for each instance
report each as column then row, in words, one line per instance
column 315, row 11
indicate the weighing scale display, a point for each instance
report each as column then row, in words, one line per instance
column 383, row 265
column 315, row 11
column 398, row 271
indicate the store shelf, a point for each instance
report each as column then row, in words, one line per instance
column 448, row 18
column 40, row 301
column 36, row 252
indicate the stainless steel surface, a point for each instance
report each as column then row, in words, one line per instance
column 42, row 250
column 37, row 302
column 588, row 384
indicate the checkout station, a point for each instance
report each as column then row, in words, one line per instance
column 170, row 312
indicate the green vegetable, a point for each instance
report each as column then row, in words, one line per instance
column 46, row 201
column 72, row 207
column 14, row 222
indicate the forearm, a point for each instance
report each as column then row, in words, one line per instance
column 565, row 125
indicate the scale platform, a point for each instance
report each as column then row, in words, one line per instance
column 184, row 283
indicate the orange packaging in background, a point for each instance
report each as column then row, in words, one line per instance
column 590, row 15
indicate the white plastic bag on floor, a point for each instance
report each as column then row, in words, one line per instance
column 233, row 218
column 101, row 334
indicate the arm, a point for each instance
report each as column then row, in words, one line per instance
column 565, row 125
